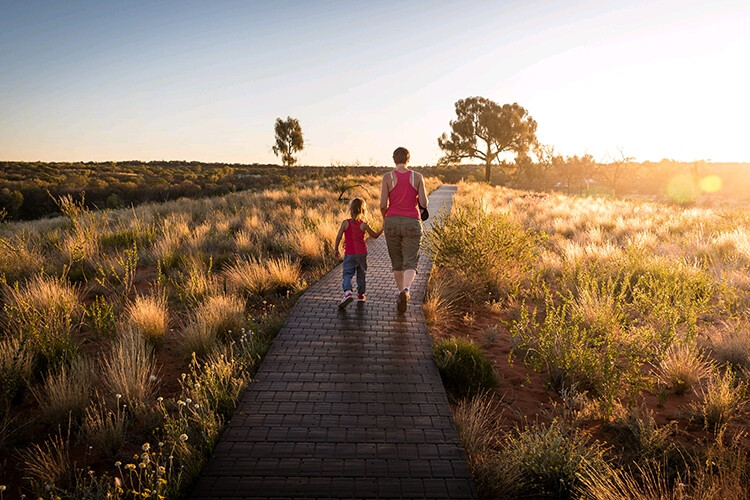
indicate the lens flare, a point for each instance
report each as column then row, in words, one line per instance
column 711, row 183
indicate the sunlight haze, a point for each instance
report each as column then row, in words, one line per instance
column 84, row 81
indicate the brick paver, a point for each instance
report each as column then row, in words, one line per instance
column 346, row 404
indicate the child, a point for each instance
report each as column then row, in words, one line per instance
column 355, row 254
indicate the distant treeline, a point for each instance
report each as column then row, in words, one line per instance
column 30, row 190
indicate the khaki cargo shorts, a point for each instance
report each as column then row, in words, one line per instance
column 403, row 236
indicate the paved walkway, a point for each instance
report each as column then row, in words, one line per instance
column 346, row 404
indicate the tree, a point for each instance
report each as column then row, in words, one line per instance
column 483, row 130
column 288, row 140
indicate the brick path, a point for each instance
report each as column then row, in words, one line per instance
column 346, row 404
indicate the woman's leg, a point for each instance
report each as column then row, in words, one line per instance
column 399, row 276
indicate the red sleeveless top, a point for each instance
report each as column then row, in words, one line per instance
column 402, row 199
column 354, row 241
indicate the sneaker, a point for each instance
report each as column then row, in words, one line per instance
column 361, row 297
column 348, row 297
column 403, row 300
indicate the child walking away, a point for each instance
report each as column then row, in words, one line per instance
column 355, row 250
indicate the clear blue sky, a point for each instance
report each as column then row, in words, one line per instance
column 116, row 80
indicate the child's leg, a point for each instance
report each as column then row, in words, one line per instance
column 350, row 267
column 361, row 274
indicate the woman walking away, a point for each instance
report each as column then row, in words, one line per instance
column 401, row 192
column 355, row 250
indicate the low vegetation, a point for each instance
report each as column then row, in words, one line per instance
column 128, row 334
column 627, row 318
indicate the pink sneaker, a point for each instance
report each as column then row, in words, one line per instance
column 348, row 297
column 361, row 297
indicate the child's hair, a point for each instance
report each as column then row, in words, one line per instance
column 401, row 155
column 357, row 208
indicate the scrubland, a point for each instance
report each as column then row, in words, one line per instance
column 619, row 336
column 127, row 335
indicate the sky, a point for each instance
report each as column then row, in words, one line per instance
column 196, row 80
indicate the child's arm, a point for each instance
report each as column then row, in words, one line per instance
column 342, row 228
column 365, row 227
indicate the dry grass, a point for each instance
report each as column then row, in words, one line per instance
column 129, row 370
column 66, row 394
column 105, row 428
column 149, row 316
column 16, row 367
column 682, row 368
column 49, row 463
column 730, row 342
column 220, row 317
column 260, row 277
column 722, row 399
column 44, row 311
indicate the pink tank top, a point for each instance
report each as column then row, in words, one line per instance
column 402, row 199
column 354, row 242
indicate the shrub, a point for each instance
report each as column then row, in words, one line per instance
column 100, row 316
column 550, row 460
column 573, row 353
column 219, row 317
column 464, row 368
column 488, row 246
column 148, row 315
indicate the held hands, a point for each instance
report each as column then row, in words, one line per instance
column 380, row 232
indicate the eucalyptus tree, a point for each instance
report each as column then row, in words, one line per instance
column 484, row 130
column 289, row 140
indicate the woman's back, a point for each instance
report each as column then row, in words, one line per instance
column 402, row 198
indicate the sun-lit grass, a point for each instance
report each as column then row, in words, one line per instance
column 683, row 368
column 148, row 315
column 44, row 311
column 722, row 399
column 129, row 369
column 219, row 317
column 261, row 277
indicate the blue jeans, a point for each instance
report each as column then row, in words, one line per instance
column 355, row 263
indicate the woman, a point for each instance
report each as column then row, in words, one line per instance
column 401, row 192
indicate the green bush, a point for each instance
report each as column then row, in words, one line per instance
column 464, row 368
column 548, row 461
column 491, row 247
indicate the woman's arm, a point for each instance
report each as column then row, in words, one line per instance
column 384, row 196
column 421, row 191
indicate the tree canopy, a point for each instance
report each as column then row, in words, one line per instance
column 484, row 129
column 289, row 140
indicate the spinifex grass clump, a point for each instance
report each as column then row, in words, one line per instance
column 148, row 315
column 44, row 312
column 464, row 368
